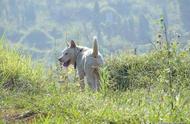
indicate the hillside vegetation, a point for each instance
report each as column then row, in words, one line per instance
column 152, row 88
column 150, row 70
column 145, row 78
column 18, row 72
column 39, row 26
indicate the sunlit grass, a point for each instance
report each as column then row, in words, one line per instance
column 18, row 69
column 51, row 102
column 71, row 106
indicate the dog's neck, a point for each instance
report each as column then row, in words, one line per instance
column 78, row 51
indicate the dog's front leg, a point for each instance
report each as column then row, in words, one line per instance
column 82, row 84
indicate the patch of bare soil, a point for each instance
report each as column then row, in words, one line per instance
column 27, row 116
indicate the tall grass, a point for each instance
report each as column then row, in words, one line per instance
column 145, row 71
column 71, row 106
column 142, row 93
column 18, row 71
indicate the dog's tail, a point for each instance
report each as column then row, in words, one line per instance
column 95, row 47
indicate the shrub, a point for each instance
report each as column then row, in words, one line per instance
column 156, row 68
column 17, row 71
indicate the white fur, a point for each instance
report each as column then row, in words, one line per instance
column 86, row 65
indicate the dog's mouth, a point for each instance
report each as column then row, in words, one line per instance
column 67, row 63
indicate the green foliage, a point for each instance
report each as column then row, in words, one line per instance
column 69, row 105
column 145, row 71
column 18, row 71
column 118, row 24
column 65, row 103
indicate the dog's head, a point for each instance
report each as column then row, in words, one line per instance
column 68, row 55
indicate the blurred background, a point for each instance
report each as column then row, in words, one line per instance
column 41, row 28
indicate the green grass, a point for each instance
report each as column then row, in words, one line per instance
column 51, row 102
column 18, row 71
column 71, row 106
column 150, row 70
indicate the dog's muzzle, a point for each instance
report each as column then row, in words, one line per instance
column 64, row 63
column 60, row 59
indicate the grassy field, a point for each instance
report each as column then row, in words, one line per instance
column 152, row 88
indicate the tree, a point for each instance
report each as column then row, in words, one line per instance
column 129, row 30
column 185, row 13
column 96, row 18
column 143, row 29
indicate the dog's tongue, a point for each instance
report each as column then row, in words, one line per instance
column 65, row 64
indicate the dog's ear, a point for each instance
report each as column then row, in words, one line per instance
column 73, row 45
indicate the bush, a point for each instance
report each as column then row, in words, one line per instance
column 17, row 71
column 154, row 69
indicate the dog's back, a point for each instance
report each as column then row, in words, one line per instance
column 92, row 61
column 93, row 55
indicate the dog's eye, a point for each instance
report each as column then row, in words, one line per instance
column 66, row 53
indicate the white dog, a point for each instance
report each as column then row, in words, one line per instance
column 86, row 61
